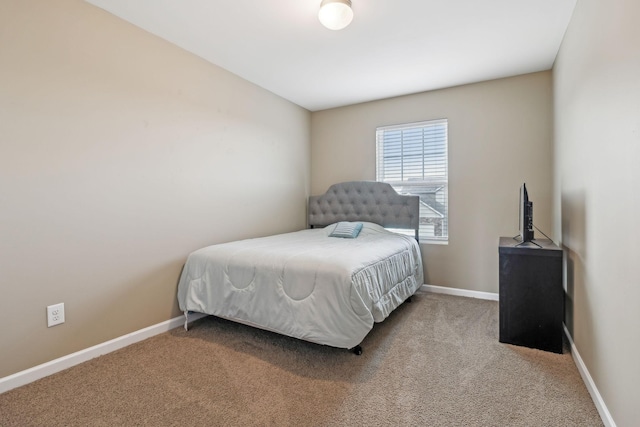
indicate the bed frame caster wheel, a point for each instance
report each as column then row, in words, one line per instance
column 357, row 350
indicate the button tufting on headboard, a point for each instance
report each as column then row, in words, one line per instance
column 354, row 201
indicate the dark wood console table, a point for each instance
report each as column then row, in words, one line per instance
column 531, row 294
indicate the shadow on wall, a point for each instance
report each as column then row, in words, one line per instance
column 573, row 211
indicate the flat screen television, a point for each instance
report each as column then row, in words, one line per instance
column 525, row 216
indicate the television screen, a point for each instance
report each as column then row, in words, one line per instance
column 525, row 216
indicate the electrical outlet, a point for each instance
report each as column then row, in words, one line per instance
column 55, row 314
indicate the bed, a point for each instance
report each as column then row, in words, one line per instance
column 318, row 284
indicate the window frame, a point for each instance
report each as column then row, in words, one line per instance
column 432, row 180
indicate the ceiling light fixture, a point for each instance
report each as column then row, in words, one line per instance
column 335, row 14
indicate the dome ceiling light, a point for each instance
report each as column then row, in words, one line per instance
column 335, row 14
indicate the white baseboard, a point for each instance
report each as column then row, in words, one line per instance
column 607, row 419
column 37, row 372
column 461, row 292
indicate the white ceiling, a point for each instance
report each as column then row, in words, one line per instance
column 392, row 47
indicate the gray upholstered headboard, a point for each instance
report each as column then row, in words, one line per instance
column 369, row 201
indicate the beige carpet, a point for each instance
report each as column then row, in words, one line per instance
column 434, row 362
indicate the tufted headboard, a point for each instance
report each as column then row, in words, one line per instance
column 369, row 201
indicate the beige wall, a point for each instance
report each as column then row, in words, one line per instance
column 119, row 155
column 597, row 104
column 500, row 135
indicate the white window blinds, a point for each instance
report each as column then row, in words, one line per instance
column 413, row 158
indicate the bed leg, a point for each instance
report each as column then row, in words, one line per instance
column 186, row 321
column 357, row 350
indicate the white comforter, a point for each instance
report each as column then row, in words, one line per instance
column 305, row 284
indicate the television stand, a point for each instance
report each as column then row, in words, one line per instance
column 531, row 299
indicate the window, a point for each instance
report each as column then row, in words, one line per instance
column 413, row 159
